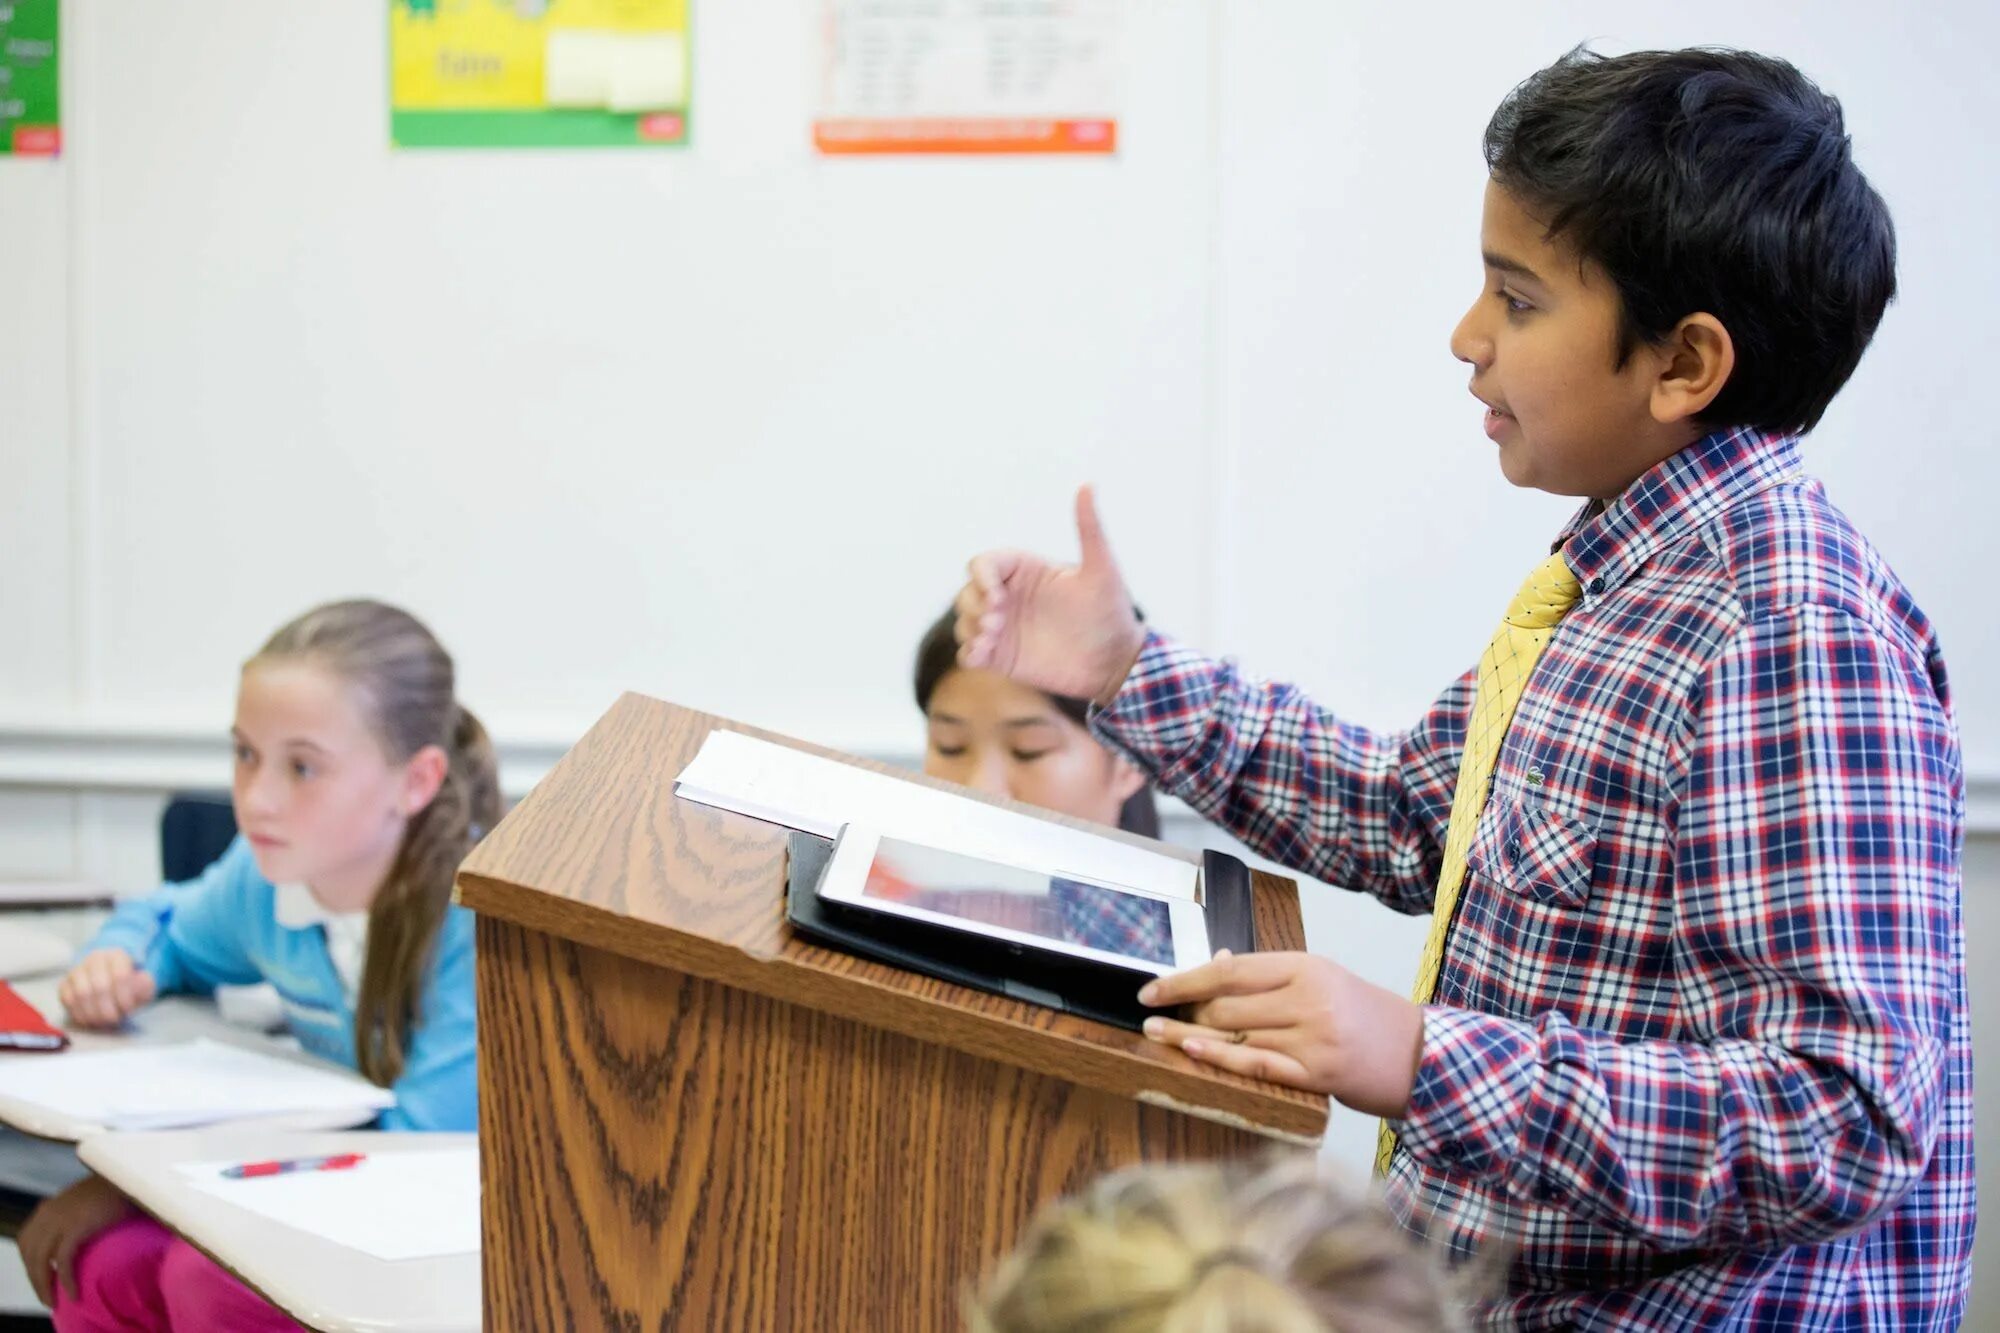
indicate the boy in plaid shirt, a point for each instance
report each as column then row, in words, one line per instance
column 1695, row 1052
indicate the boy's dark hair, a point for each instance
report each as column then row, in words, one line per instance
column 1718, row 181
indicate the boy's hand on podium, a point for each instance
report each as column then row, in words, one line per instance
column 1296, row 1019
column 106, row 986
column 1066, row 629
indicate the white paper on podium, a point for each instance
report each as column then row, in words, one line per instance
column 803, row 791
column 394, row 1205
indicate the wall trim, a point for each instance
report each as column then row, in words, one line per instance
column 157, row 756
column 154, row 756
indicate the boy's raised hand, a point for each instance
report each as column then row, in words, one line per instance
column 1296, row 1019
column 106, row 986
column 1066, row 629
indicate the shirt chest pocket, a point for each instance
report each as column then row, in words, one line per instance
column 1535, row 851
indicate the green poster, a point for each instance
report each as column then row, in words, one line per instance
column 30, row 106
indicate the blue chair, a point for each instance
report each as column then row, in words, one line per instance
column 195, row 830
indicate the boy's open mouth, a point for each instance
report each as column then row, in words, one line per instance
column 1496, row 417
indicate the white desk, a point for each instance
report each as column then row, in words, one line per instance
column 175, row 1018
column 322, row 1285
column 29, row 949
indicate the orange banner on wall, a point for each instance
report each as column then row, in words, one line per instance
column 944, row 135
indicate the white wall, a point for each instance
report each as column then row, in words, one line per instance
column 610, row 419
column 1350, row 184
column 722, row 424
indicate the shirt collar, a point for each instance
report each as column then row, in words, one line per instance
column 1676, row 496
column 296, row 908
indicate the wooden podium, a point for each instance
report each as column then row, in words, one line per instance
column 691, row 1119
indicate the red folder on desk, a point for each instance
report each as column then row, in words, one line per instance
column 22, row 1027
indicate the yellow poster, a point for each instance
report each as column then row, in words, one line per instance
column 537, row 73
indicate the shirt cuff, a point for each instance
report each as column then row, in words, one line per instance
column 1498, row 1098
column 133, row 927
column 1475, row 1079
column 1148, row 719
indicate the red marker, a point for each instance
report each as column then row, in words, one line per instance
column 251, row 1170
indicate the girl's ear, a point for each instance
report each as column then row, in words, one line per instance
column 423, row 774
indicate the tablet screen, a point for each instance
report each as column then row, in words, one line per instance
column 1050, row 907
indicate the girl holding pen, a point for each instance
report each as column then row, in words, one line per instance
column 360, row 783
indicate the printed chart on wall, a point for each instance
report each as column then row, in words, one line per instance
column 538, row 73
column 969, row 76
column 30, row 100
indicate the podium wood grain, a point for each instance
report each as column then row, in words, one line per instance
column 691, row 1119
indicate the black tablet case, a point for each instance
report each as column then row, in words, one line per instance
column 1099, row 991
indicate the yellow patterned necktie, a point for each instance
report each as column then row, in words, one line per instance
column 1504, row 668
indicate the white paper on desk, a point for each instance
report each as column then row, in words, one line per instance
column 394, row 1205
column 803, row 791
column 190, row 1083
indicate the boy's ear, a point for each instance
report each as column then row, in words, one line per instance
column 1695, row 362
column 423, row 774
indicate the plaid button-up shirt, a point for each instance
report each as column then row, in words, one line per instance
column 1699, row 1055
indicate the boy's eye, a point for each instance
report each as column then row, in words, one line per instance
column 948, row 751
column 302, row 769
column 1028, row 756
column 1515, row 305
column 244, row 754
